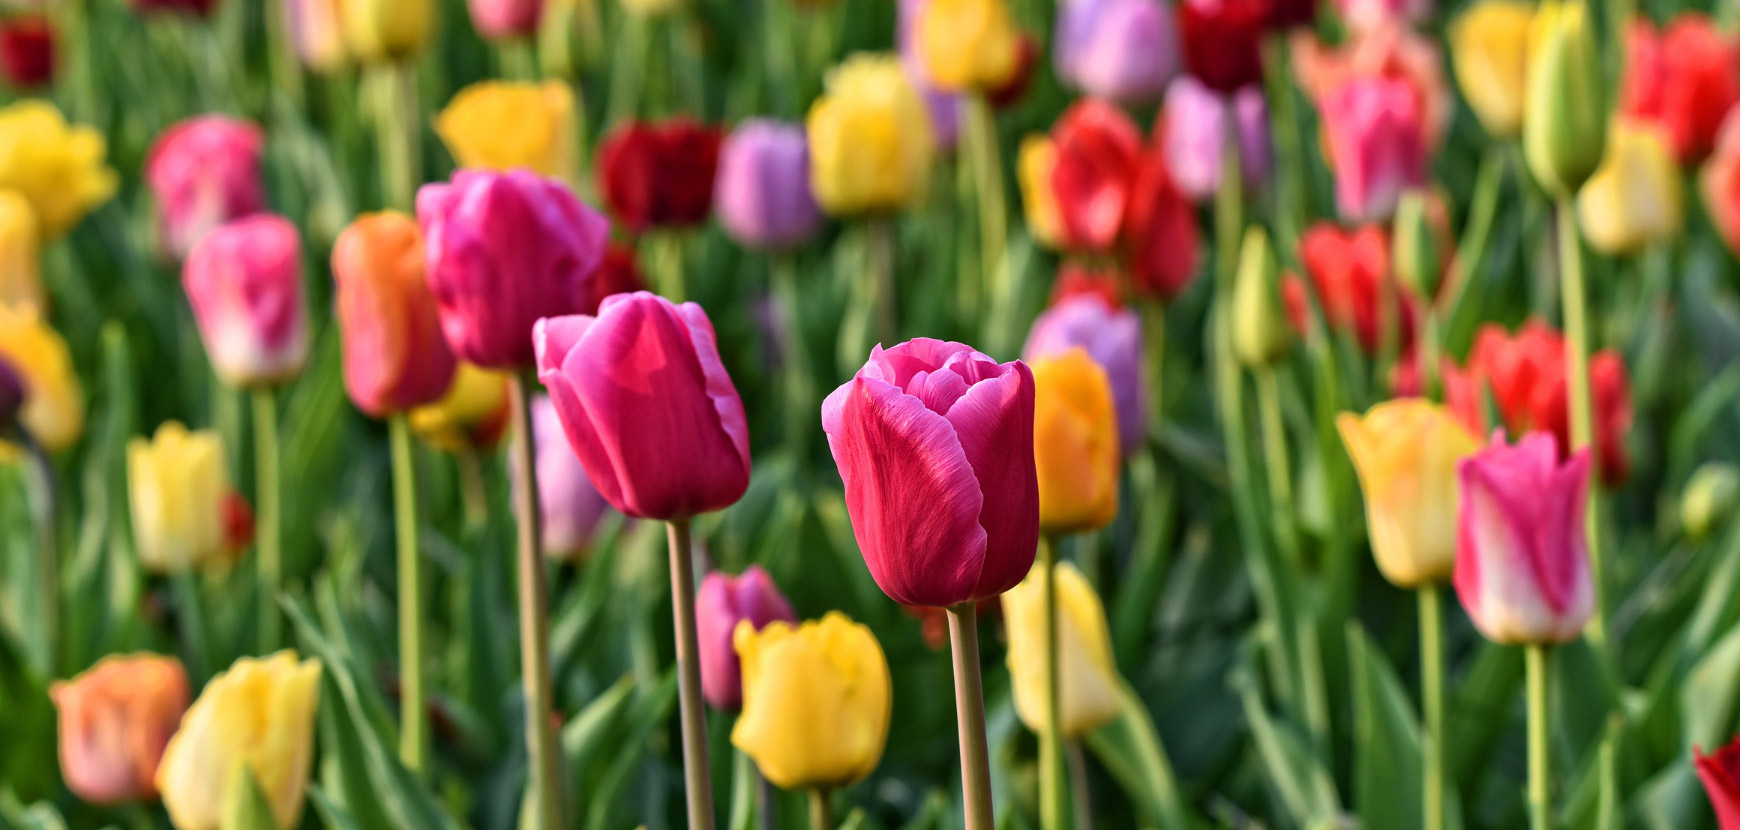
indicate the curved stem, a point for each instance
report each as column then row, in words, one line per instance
column 1053, row 803
column 1432, row 702
column 1582, row 417
column 821, row 811
column 410, row 595
column 697, row 780
column 546, row 800
column 266, row 532
column 1539, row 766
column 970, row 715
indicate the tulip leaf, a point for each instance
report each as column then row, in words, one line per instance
column 334, row 815
column 244, row 806
column 649, row 711
column 1130, row 750
column 1710, row 699
column 1387, row 744
column 1305, row 788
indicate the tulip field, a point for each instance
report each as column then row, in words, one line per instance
column 869, row 415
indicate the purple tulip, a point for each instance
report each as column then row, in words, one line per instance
column 1125, row 50
column 762, row 193
column 1195, row 128
column 503, row 251
column 935, row 444
column 722, row 603
column 1377, row 145
column 1113, row 338
column 569, row 505
column 244, row 281
column 203, row 172
column 946, row 108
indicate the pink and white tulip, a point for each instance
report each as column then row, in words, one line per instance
column 244, row 281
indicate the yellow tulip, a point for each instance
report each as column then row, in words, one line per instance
column 56, row 166
column 870, row 138
column 54, row 405
column 1635, row 198
column 500, row 125
column 1037, row 159
column 259, row 713
column 177, row 483
column 969, row 45
column 1565, row 114
column 1489, row 47
column 1087, row 674
column 816, row 701
column 472, row 415
column 1075, row 443
column 385, row 31
column 20, row 274
column 1406, row 453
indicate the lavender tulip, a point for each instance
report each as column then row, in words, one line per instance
column 1195, row 135
column 571, row 507
column 1125, row 50
column 1113, row 338
column 762, row 193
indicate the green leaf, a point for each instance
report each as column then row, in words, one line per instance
column 244, row 806
column 1130, row 750
column 1387, row 758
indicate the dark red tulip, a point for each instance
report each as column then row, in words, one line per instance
column 1160, row 235
column 659, row 175
column 1223, row 41
column 27, row 51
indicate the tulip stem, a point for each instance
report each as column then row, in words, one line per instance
column 668, row 248
column 473, row 491
column 1539, row 808
column 1053, row 802
column 410, row 595
column 1571, row 294
column 266, row 533
column 1280, row 473
column 970, row 714
column 795, row 360
column 1078, row 787
column 396, row 132
column 880, row 230
column 697, row 780
column 517, row 59
column 285, row 71
column 1432, row 701
column 44, row 499
column 534, row 617
column 1154, row 338
column 821, row 811
column 981, row 136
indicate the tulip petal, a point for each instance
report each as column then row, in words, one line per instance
column 994, row 423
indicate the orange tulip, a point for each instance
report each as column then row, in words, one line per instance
column 115, row 720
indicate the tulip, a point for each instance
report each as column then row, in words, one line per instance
column 1709, row 498
column 1489, row 53
column 57, row 167
column 1634, row 198
column 1522, row 559
column 1194, row 134
column 763, row 190
column 659, row 175
column 969, row 45
column 386, row 31
column 1684, row 79
column 1160, row 237
column 502, row 251
column 1075, row 443
column 569, row 506
column 115, row 719
column 946, row 109
column 204, row 172
column 816, row 701
column 502, row 125
column 54, row 405
column 1720, row 774
column 1418, row 263
column 870, row 139
column 27, row 51
column 723, row 602
column 1087, row 673
column 1124, row 50
column 1406, row 453
column 472, row 416
column 1222, row 41
column 20, row 275
column 244, row 281
column 394, row 355
column 1259, row 325
column 316, row 30
column 1076, row 279
column 1112, row 336
column 503, row 19
column 1034, row 164
column 196, row 8
column 1376, row 146
column 1387, row 52
column 934, row 443
column 1565, row 125
column 258, row 714
column 1364, row 15
column 1098, row 152
column 647, row 405
column 179, row 487
column 1719, row 182
column 1350, row 272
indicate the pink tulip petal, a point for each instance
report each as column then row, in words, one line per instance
column 994, row 422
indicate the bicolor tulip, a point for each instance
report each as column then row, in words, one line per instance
column 969, row 45
column 395, row 357
column 647, row 405
column 816, row 701
column 316, row 28
column 1034, row 163
column 1223, row 41
column 203, row 172
column 1350, row 274
column 1376, row 146
column 870, row 139
column 501, row 251
column 934, row 442
column 1195, row 129
column 1075, row 443
column 1522, row 556
column 244, row 281
column 20, row 251
column 1122, row 50
column 503, row 125
column 178, row 486
column 1260, row 336
column 659, row 174
column 1489, row 47
column 1406, row 453
column 1720, row 774
column 54, row 403
column 1565, row 115
column 259, row 714
column 1719, row 182
column 1388, row 52
column 1112, row 336
column 27, row 51
column 472, row 416
column 1683, row 78
column 503, row 19
column 763, row 193
column 1087, row 672
column 56, row 166
column 386, row 31
column 1097, row 155
column 569, row 506
column 1709, row 499
column 115, row 719
column 723, row 602
column 1634, row 199
column 1161, row 239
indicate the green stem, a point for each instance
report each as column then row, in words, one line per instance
column 1079, row 794
column 473, row 491
column 1154, row 341
column 881, row 275
column 410, row 595
column 1475, row 236
column 821, row 812
column 1582, row 416
column 1432, row 702
column 1275, row 458
column 795, row 363
column 1539, row 766
column 517, row 59
column 981, row 136
column 286, row 71
column 1429, row 351
column 668, row 248
column 970, row 715
column 1053, row 800
column 45, row 513
column 546, row 802
column 697, row 780
column 266, row 532
column 397, row 133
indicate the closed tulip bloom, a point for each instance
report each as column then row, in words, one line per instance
column 1388, row 52
column 1112, row 336
column 763, row 191
column 203, row 172
column 316, row 29
column 500, row 19
column 722, row 602
column 1375, row 145
column 386, row 31
column 115, row 719
column 1194, row 134
column 503, row 125
column 659, row 174
column 179, row 488
column 870, row 139
column 1634, row 200
column 472, row 416
column 258, row 713
column 1034, row 164
column 1161, row 237
column 969, row 44
column 1075, row 443
column 1720, row 774
column 1350, row 272
column 647, row 405
column 934, row 442
column 54, row 403
column 1260, row 336
column 1719, row 182
column 569, row 505
column 1098, row 152
column 56, row 166
column 27, row 51
column 1565, row 100
column 501, row 251
column 1223, row 40
column 1087, row 673
column 244, row 281
column 1123, row 50
column 20, row 274
column 395, row 357
column 1683, row 78
column 816, row 701
column 1489, row 49
column 1406, row 452
column 1709, row 499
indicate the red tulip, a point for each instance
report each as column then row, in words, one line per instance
column 1077, row 279
column 1720, row 182
column 935, row 444
column 1223, row 41
column 1098, row 156
column 1721, row 776
column 1683, row 78
column 659, row 175
column 647, row 405
column 1160, row 234
column 27, row 51
column 1348, row 271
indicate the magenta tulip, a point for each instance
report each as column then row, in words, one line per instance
column 244, row 281
column 504, row 250
column 203, row 172
column 722, row 603
column 1377, row 145
column 569, row 505
column 935, row 444
column 647, row 405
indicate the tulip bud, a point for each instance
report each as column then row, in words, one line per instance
column 1565, row 116
column 316, row 29
column 569, row 506
column 1406, row 452
column 1112, row 336
column 1087, row 673
column 54, row 405
column 1124, row 50
column 57, row 167
column 472, row 416
column 1222, row 41
column 1260, row 336
column 763, row 191
column 27, row 51
column 816, row 701
column 115, row 720
column 244, row 281
column 394, row 355
column 1418, row 264
column 659, row 174
column 20, row 274
column 204, row 172
column 870, row 139
column 178, row 485
column 1709, row 498
column 386, row 31
column 1720, row 774
column 1489, row 46
column 505, row 19
column 722, row 603
column 969, row 45
column 1075, row 443
column 259, row 714
column 1634, row 199
column 501, row 125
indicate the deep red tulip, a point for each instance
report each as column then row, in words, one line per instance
column 1026, row 62
column 1223, row 41
column 1683, row 78
column 1098, row 156
column 27, row 51
column 1160, row 234
column 1288, row 14
column 1348, row 271
column 619, row 273
column 659, row 175
column 1721, row 776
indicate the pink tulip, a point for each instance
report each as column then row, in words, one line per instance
column 647, row 405
column 502, row 251
column 935, row 443
column 499, row 19
column 722, row 603
column 244, row 281
column 1522, row 557
column 1377, row 146
column 203, row 172
column 569, row 505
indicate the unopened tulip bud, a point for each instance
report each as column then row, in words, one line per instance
column 1709, row 498
column 1565, row 114
column 1259, row 321
column 1417, row 261
column 871, row 143
column 179, row 489
column 1405, row 452
column 244, row 281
